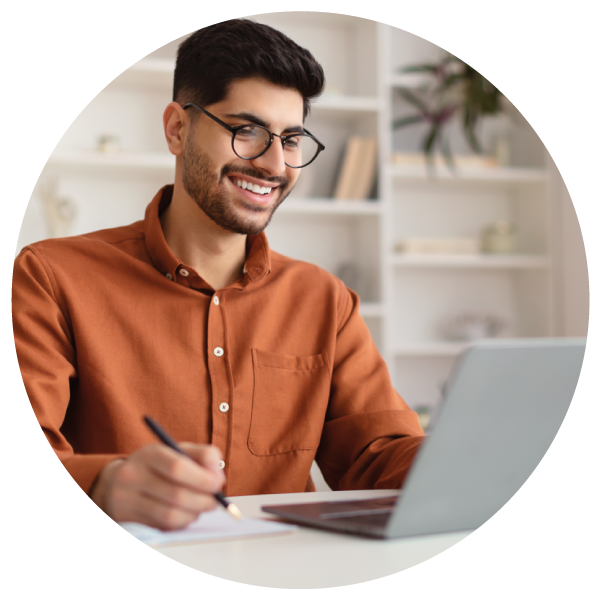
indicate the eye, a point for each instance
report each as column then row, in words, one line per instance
column 293, row 143
column 247, row 132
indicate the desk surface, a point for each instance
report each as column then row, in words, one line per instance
column 308, row 558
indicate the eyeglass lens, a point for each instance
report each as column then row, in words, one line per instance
column 251, row 141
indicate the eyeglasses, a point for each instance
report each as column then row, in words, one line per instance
column 251, row 141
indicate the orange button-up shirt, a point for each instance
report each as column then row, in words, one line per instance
column 276, row 369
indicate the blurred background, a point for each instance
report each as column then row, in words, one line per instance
column 474, row 245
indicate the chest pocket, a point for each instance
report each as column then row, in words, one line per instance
column 289, row 402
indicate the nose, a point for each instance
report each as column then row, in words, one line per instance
column 272, row 160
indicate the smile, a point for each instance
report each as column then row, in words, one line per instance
column 251, row 187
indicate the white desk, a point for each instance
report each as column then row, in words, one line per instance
column 308, row 558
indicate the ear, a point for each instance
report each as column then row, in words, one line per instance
column 175, row 123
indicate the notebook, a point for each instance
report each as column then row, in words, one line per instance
column 209, row 527
column 501, row 408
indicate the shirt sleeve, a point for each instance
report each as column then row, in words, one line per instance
column 47, row 359
column 370, row 436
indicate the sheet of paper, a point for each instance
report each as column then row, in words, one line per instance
column 212, row 526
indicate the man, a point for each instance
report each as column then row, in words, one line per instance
column 261, row 363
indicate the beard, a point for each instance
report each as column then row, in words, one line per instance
column 203, row 184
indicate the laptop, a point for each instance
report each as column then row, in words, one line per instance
column 501, row 408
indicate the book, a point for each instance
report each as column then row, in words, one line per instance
column 357, row 171
column 348, row 168
column 365, row 175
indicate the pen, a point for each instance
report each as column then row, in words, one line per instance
column 164, row 437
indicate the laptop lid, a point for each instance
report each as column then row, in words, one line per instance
column 502, row 407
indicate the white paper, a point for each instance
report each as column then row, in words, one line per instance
column 210, row 526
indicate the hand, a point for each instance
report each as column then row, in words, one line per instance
column 159, row 487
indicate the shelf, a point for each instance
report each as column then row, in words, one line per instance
column 473, row 261
column 502, row 175
column 409, row 80
column 158, row 72
column 153, row 72
column 347, row 103
column 114, row 160
column 430, row 349
column 326, row 206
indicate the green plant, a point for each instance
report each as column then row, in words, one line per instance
column 454, row 87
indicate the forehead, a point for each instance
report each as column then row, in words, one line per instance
column 276, row 105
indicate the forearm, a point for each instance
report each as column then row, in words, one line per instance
column 383, row 465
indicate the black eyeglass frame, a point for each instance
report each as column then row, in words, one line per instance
column 272, row 136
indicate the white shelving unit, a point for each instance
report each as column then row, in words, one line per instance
column 403, row 296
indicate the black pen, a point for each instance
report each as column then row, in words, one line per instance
column 165, row 438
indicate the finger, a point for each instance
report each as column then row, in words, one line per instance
column 155, row 513
column 134, row 487
column 205, row 455
column 177, row 496
column 180, row 470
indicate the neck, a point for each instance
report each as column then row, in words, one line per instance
column 216, row 255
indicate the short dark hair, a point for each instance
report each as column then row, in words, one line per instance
column 210, row 59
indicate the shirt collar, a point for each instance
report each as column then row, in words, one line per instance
column 258, row 254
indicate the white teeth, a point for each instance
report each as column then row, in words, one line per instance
column 257, row 189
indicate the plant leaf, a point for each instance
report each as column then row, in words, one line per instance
column 413, row 99
column 404, row 121
column 445, row 146
column 430, row 139
column 420, row 69
column 471, row 118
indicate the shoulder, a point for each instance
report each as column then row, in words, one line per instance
column 98, row 244
column 311, row 283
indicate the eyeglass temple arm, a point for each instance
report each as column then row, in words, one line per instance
column 321, row 147
column 216, row 119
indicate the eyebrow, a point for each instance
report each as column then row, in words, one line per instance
column 246, row 116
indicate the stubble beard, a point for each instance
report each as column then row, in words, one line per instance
column 202, row 183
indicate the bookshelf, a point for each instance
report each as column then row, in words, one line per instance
column 403, row 297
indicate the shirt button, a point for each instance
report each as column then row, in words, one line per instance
column 223, row 407
column 169, row 276
column 216, row 300
column 184, row 272
column 218, row 351
column 221, row 464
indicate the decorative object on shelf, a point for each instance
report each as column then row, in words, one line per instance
column 453, row 87
column 108, row 143
column 59, row 212
column 468, row 327
column 357, row 170
column 414, row 245
column 461, row 161
column 499, row 238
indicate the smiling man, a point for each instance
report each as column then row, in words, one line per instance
column 258, row 363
